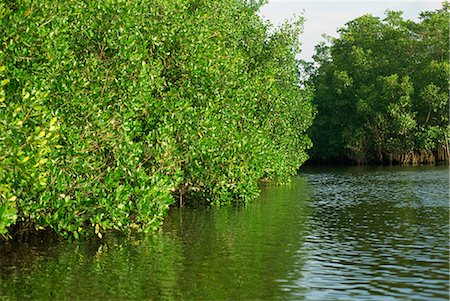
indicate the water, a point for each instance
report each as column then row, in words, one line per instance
column 334, row 234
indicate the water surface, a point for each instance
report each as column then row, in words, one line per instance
column 333, row 234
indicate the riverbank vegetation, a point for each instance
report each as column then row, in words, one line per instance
column 111, row 112
column 382, row 91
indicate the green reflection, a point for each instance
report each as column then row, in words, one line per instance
column 241, row 253
column 344, row 234
column 120, row 269
column 203, row 254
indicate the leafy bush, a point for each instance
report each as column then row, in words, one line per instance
column 139, row 104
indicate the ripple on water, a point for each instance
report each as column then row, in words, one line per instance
column 379, row 235
column 343, row 234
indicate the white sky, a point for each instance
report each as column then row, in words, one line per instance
column 326, row 16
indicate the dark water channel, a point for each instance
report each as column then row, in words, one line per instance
column 334, row 234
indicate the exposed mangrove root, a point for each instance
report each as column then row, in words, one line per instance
column 423, row 157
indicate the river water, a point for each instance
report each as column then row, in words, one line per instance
column 333, row 234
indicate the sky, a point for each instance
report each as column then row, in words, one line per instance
column 326, row 16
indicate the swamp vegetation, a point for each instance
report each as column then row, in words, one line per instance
column 113, row 111
column 382, row 90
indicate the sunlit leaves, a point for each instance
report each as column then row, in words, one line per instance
column 146, row 103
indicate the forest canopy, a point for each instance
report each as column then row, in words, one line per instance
column 381, row 90
column 111, row 111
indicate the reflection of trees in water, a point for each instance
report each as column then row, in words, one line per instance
column 216, row 253
column 240, row 253
column 364, row 233
column 118, row 269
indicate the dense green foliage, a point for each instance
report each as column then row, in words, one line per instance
column 382, row 90
column 115, row 109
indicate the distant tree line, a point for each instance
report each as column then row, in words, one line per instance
column 381, row 90
column 111, row 111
